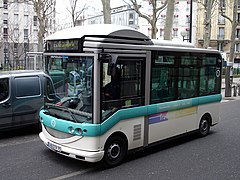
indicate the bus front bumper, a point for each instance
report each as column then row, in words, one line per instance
column 89, row 156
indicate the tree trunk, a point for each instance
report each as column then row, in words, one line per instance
column 106, row 11
column 228, row 76
column 169, row 20
column 207, row 23
column 154, row 32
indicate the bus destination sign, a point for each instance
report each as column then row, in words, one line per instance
column 62, row 45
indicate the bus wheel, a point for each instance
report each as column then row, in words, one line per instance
column 114, row 152
column 204, row 126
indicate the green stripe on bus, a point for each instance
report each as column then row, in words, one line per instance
column 123, row 114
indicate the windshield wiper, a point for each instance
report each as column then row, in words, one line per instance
column 70, row 111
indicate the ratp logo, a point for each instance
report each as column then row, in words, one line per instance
column 53, row 123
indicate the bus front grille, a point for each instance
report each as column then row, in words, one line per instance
column 57, row 134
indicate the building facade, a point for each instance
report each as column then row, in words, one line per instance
column 19, row 31
column 126, row 15
column 122, row 15
column 183, row 19
column 221, row 28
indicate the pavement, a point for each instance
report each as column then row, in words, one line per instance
column 236, row 81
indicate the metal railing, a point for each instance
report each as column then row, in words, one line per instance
column 31, row 62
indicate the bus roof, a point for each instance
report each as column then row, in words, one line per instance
column 172, row 43
column 98, row 30
column 117, row 34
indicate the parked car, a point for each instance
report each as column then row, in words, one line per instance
column 22, row 95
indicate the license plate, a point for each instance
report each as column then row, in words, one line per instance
column 54, row 147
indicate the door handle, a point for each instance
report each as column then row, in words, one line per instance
column 6, row 105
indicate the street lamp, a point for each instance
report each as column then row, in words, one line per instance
column 184, row 34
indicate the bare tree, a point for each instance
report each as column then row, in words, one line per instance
column 106, row 11
column 74, row 11
column 153, row 17
column 44, row 9
column 234, row 23
column 15, row 42
column 169, row 20
column 208, row 7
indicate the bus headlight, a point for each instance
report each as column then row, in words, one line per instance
column 79, row 131
column 71, row 130
column 41, row 119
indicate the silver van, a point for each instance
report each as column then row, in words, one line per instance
column 22, row 95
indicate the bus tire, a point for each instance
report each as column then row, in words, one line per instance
column 115, row 151
column 204, row 126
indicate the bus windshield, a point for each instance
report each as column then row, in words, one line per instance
column 72, row 78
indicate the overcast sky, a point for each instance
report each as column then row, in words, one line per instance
column 63, row 15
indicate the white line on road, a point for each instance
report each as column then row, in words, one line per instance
column 73, row 174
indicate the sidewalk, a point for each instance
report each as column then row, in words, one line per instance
column 235, row 82
column 229, row 98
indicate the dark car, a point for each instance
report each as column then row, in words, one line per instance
column 22, row 95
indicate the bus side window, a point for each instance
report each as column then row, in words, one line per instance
column 4, row 89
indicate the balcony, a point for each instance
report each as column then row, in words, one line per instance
column 220, row 37
column 221, row 22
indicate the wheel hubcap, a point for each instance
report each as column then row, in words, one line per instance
column 204, row 125
column 113, row 151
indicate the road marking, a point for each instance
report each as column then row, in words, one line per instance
column 73, row 174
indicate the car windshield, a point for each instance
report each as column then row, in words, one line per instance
column 72, row 79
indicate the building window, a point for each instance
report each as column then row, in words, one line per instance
column 187, row 35
column 131, row 19
column 5, row 18
column 16, row 19
column 15, row 47
column 35, row 35
column 130, row 22
column 5, row 4
column 221, row 33
column 26, row 7
column 131, row 16
column 238, row 17
column 5, row 32
column 162, row 19
column 25, row 34
column 222, row 4
column 161, row 32
column 16, row 34
column 26, row 23
column 237, row 33
column 237, row 47
column 175, row 32
column 149, row 32
column 220, row 46
column 175, row 20
column 176, row 9
column 221, row 19
column 26, row 46
column 187, row 20
column 35, row 20
column 16, row 5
